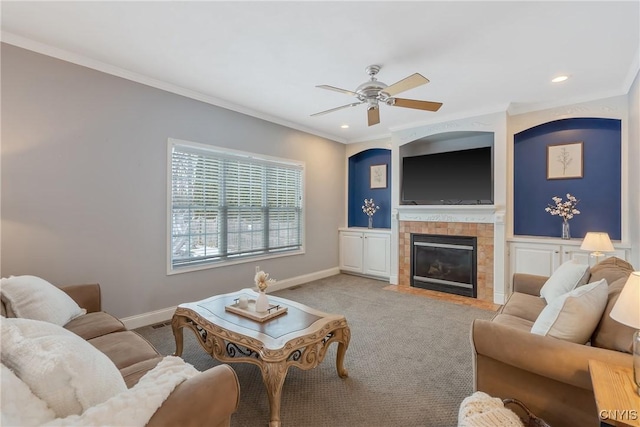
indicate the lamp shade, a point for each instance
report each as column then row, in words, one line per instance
column 627, row 308
column 597, row 242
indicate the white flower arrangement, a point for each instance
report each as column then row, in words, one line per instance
column 262, row 280
column 566, row 210
column 369, row 207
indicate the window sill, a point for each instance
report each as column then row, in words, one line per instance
column 179, row 270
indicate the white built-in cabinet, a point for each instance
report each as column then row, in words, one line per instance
column 365, row 251
column 541, row 256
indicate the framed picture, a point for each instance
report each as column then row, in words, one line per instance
column 564, row 161
column 378, row 178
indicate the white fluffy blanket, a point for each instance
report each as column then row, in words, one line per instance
column 482, row 410
column 135, row 406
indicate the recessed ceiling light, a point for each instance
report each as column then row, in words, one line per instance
column 559, row 79
column 345, row 126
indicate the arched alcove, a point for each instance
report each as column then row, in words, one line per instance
column 360, row 188
column 598, row 190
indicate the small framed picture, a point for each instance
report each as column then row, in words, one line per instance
column 564, row 161
column 378, row 176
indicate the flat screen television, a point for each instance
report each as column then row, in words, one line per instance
column 463, row 177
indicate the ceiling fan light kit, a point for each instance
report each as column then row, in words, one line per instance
column 374, row 92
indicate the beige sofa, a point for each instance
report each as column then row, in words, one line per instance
column 209, row 398
column 549, row 375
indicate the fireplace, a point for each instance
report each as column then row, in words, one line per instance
column 444, row 263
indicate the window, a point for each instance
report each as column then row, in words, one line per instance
column 227, row 205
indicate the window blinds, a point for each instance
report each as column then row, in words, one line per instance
column 226, row 205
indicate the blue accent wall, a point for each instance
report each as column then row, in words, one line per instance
column 359, row 188
column 599, row 191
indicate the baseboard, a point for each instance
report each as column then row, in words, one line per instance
column 305, row 278
column 498, row 298
column 162, row 315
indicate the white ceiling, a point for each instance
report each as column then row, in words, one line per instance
column 265, row 58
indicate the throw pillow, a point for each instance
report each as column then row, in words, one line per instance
column 20, row 407
column 31, row 297
column 59, row 367
column 609, row 333
column 574, row 315
column 566, row 278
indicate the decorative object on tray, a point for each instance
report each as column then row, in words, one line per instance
column 250, row 311
column 370, row 208
column 564, row 209
column 262, row 282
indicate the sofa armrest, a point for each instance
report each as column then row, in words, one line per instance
column 549, row 357
column 528, row 283
column 86, row 296
column 208, row 399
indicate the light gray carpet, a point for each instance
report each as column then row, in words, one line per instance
column 409, row 361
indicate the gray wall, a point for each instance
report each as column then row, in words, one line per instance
column 84, row 171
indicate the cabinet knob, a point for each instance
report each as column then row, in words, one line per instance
column 557, row 252
column 566, row 252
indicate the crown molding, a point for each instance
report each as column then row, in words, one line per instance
column 64, row 55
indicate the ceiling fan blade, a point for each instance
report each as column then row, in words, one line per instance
column 410, row 82
column 373, row 116
column 337, row 89
column 418, row 105
column 353, row 104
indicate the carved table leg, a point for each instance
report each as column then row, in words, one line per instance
column 273, row 375
column 176, row 324
column 343, row 344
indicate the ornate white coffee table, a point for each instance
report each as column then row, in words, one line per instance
column 300, row 337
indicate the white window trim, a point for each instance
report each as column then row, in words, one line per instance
column 171, row 142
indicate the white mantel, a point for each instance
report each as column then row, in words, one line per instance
column 488, row 214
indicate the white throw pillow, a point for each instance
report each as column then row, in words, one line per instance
column 20, row 407
column 566, row 278
column 59, row 367
column 31, row 297
column 574, row 315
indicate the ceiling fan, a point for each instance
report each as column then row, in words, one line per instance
column 375, row 92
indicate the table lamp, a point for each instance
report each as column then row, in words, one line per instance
column 597, row 242
column 627, row 311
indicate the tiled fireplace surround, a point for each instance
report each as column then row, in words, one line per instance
column 480, row 223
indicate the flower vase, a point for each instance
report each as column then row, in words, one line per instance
column 370, row 224
column 262, row 303
column 566, row 233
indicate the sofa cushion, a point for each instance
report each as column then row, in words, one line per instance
column 513, row 321
column 19, row 406
column 524, row 306
column 93, row 325
column 133, row 373
column 59, row 367
column 611, row 269
column 31, row 297
column 609, row 333
column 566, row 278
column 125, row 348
column 574, row 315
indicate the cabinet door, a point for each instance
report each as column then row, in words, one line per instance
column 537, row 259
column 351, row 251
column 377, row 250
column 572, row 253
